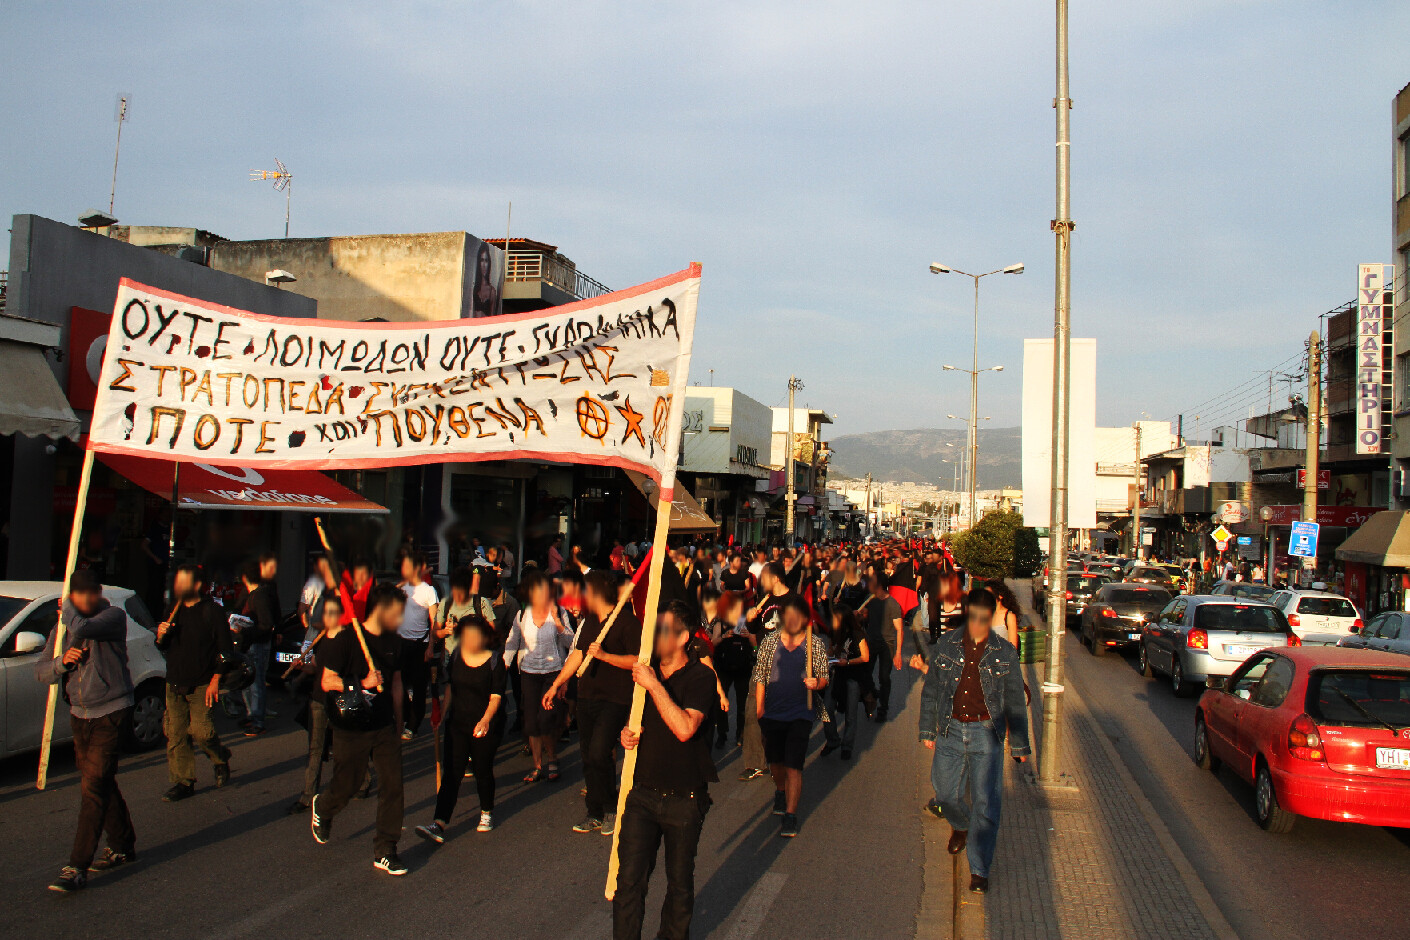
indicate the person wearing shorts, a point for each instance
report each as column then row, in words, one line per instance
column 788, row 694
column 538, row 643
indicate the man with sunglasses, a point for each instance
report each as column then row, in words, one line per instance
column 972, row 700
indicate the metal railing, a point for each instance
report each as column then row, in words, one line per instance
column 539, row 266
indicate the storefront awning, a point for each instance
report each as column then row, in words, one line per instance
column 686, row 514
column 31, row 401
column 1383, row 540
column 204, row 486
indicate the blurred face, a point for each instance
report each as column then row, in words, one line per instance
column 361, row 575
column 711, row 607
column 735, row 564
column 86, row 601
column 472, row 639
column 389, row 616
column 459, row 595
column 185, row 586
column 794, row 621
column 332, row 615
column 268, row 569
column 981, row 621
column 539, row 595
column 733, row 611
column 671, row 636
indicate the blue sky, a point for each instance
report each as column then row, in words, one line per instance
column 1231, row 164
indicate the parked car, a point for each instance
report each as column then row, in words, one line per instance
column 1388, row 631
column 1246, row 589
column 1149, row 574
column 1081, row 585
column 1319, row 731
column 1118, row 612
column 1198, row 636
column 29, row 611
column 1319, row 617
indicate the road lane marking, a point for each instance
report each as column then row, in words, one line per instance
column 755, row 906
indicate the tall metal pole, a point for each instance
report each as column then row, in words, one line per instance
column 790, row 496
column 288, row 201
column 122, row 117
column 1136, row 506
column 1049, row 752
column 1314, row 435
column 974, row 409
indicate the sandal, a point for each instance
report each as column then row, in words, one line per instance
column 534, row 776
column 553, row 771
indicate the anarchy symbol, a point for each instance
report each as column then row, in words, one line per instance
column 593, row 419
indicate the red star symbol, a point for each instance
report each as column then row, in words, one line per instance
column 633, row 419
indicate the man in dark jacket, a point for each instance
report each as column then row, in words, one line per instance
column 196, row 642
column 93, row 676
column 972, row 699
column 260, row 608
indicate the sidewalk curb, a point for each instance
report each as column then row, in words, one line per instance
column 935, row 920
column 1204, row 901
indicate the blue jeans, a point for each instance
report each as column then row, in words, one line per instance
column 971, row 757
column 254, row 696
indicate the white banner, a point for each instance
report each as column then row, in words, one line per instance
column 601, row 381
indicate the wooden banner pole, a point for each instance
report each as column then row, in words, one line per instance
column 75, row 536
column 808, row 657
column 648, row 646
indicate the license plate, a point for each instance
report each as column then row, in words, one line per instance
column 1396, row 758
column 285, row 657
column 1241, row 650
column 1133, row 636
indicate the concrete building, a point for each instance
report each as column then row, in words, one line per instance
column 724, row 459
column 810, row 458
column 1116, row 483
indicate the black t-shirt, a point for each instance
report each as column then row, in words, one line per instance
column 770, row 615
column 199, row 637
column 602, row 681
column 904, row 576
column 736, row 581
column 471, row 688
column 343, row 655
column 665, row 762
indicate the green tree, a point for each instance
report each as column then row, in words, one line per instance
column 999, row 546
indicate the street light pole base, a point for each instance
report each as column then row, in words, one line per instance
column 1065, row 783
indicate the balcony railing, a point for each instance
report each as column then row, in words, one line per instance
column 550, row 269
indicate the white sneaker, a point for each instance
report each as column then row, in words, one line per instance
column 486, row 822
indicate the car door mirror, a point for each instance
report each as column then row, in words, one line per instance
column 28, row 642
column 1218, row 683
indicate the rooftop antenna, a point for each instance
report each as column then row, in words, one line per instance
column 283, row 180
column 121, row 118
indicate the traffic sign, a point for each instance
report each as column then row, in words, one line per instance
column 1221, row 534
column 1302, row 541
column 1221, row 545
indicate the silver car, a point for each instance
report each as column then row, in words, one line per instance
column 29, row 611
column 1389, row 631
column 1196, row 637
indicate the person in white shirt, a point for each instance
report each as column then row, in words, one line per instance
column 539, row 643
column 415, row 633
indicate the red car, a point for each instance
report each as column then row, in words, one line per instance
column 1319, row 731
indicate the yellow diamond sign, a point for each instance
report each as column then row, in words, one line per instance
column 1221, row 534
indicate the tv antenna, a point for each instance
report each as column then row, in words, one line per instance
column 121, row 118
column 283, row 181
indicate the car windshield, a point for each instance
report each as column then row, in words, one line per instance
column 1150, row 598
column 1242, row 618
column 1085, row 585
column 1326, row 607
column 1153, row 573
column 1359, row 698
column 1244, row 589
column 9, row 606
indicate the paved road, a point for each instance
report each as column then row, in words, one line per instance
column 229, row 863
column 1321, row 880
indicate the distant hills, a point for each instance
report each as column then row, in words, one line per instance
column 917, row 456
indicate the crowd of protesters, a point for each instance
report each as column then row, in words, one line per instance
column 756, row 647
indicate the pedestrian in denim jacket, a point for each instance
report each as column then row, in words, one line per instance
column 972, row 700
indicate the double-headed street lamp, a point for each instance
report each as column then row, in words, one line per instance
column 974, row 371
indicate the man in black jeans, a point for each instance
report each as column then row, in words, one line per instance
column 604, row 695
column 671, row 795
column 370, row 732
column 94, row 679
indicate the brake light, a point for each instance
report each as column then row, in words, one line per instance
column 1197, row 639
column 1357, row 625
column 1294, row 639
column 1304, row 741
column 1294, row 620
column 1069, row 595
column 1108, row 612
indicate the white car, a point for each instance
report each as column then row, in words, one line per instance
column 1318, row 617
column 29, row 611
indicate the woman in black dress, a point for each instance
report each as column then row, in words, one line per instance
column 473, row 725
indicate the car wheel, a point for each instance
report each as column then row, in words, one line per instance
column 1178, row 685
column 1204, row 757
column 1271, row 815
column 1143, row 660
column 145, row 731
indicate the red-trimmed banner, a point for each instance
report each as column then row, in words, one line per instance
column 599, row 381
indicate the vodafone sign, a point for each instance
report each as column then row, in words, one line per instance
column 205, row 486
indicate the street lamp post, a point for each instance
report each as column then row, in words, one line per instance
column 974, row 371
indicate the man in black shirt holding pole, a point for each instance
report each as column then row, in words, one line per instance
column 196, row 642
column 670, row 796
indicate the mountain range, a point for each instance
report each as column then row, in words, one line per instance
column 919, row 456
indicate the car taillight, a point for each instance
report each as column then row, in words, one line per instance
column 1304, row 741
column 1197, row 639
column 1108, row 612
column 1069, row 595
column 1294, row 639
column 1357, row 625
column 1294, row 620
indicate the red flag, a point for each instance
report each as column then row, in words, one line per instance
column 639, row 584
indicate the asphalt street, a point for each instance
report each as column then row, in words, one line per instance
column 1323, row 879
column 229, row 863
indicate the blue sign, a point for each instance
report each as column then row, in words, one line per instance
column 1244, row 540
column 1302, row 542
